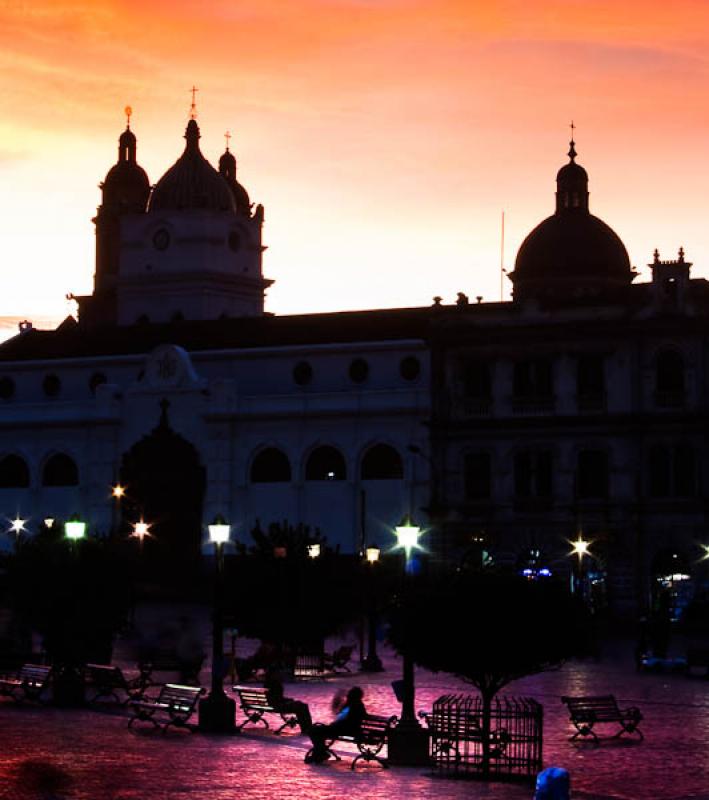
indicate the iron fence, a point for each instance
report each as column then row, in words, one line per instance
column 514, row 740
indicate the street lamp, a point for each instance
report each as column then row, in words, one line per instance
column 372, row 662
column 580, row 549
column 74, row 528
column 17, row 525
column 217, row 712
column 49, row 522
column 118, row 491
column 313, row 550
column 408, row 742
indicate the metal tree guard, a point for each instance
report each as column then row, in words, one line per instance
column 515, row 741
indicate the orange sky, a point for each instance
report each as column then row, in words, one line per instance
column 383, row 137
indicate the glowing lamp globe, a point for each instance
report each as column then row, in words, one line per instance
column 74, row 529
column 372, row 554
column 219, row 531
column 580, row 547
column 407, row 535
column 313, row 550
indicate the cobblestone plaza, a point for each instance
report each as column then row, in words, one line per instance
column 91, row 755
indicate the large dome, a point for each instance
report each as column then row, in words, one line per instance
column 571, row 253
column 192, row 182
column 572, row 246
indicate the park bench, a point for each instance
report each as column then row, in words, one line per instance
column 370, row 740
column 448, row 734
column 254, row 702
column 27, row 684
column 309, row 665
column 586, row 712
column 339, row 659
column 173, row 706
column 107, row 681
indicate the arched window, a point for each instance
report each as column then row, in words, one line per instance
column 669, row 378
column 270, row 466
column 592, row 474
column 382, row 463
column 14, row 473
column 325, row 464
column 60, row 470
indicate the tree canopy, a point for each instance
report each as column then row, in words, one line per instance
column 488, row 629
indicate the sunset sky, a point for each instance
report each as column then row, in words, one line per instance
column 384, row 137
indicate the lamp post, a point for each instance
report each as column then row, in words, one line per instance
column 217, row 712
column 408, row 742
column 372, row 662
column 580, row 549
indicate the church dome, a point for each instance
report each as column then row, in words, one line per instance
column 126, row 186
column 192, row 182
column 572, row 252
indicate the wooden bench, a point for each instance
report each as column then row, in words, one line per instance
column 586, row 712
column 370, row 740
column 173, row 706
column 107, row 680
column 339, row 659
column 307, row 666
column 447, row 735
column 253, row 701
column 27, row 684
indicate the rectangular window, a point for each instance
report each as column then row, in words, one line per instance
column 477, row 476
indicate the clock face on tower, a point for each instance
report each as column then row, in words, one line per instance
column 161, row 239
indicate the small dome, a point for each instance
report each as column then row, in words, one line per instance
column 227, row 169
column 126, row 184
column 191, row 182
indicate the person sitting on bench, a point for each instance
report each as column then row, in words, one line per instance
column 276, row 697
column 348, row 722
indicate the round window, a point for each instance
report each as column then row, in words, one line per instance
column 410, row 368
column 7, row 388
column 359, row 370
column 52, row 385
column 161, row 239
column 96, row 380
column 234, row 242
column 302, row 373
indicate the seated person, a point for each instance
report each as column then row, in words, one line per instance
column 348, row 722
column 275, row 696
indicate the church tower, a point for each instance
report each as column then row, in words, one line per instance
column 124, row 191
column 196, row 253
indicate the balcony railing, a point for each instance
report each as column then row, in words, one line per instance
column 533, row 405
column 473, row 407
column 591, row 402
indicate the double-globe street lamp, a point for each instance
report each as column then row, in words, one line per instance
column 217, row 712
column 408, row 742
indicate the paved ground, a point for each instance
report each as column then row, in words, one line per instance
column 48, row 754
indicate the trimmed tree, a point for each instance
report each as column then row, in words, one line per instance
column 489, row 630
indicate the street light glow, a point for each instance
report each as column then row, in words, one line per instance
column 580, row 547
column 49, row 522
column 118, row 491
column 372, row 554
column 74, row 528
column 407, row 535
column 141, row 529
column 313, row 550
column 17, row 525
column 219, row 530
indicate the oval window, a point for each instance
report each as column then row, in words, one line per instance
column 52, row 385
column 96, row 380
column 410, row 368
column 359, row 370
column 7, row 388
column 302, row 373
column 161, row 239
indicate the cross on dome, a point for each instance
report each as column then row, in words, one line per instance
column 572, row 144
column 193, row 107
